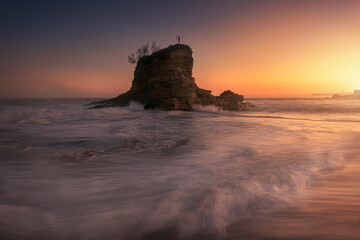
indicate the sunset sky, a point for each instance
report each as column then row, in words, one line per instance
column 256, row 48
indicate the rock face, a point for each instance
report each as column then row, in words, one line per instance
column 355, row 95
column 164, row 81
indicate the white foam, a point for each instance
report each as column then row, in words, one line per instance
column 120, row 172
column 207, row 108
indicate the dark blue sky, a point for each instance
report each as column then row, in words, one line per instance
column 73, row 19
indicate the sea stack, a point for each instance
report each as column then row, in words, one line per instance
column 164, row 81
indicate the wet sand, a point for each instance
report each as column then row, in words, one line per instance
column 330, row 209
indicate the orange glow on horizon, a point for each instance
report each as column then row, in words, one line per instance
column 285, row 53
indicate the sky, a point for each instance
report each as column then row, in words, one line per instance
column 278, row 48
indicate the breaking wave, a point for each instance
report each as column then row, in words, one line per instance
column 126, row 173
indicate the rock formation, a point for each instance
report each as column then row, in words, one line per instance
column 164, row 81
column 355, row 95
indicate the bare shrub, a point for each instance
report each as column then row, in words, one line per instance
column 143, row 51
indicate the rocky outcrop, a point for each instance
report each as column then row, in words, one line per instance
column 355, row 95
column 164, row 81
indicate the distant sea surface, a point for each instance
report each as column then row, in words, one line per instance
column 68, row 172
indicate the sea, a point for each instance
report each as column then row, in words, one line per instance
column 70, row 172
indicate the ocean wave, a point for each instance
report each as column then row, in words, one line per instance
column 133, row 199
column 127, row 173
column 208, row 108
column 23, row 114
column 307, row 106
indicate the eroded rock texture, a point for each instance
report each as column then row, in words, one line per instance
column 164, row 81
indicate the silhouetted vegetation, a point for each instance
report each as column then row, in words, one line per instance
column 143, row 51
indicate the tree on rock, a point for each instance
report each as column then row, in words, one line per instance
column 143, row 51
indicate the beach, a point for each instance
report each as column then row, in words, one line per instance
column 330, row 210
column 288, row 169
